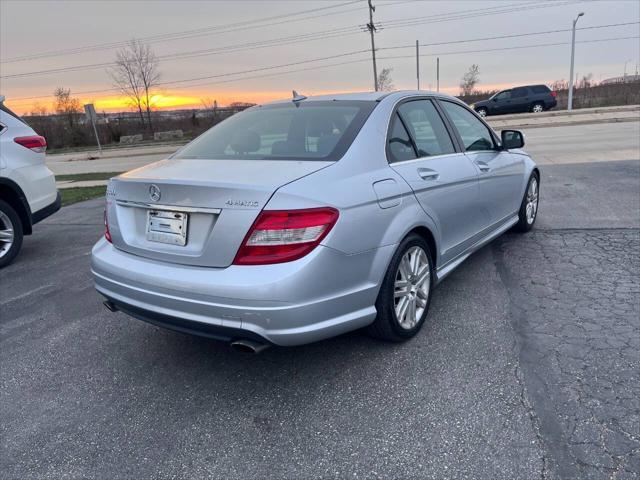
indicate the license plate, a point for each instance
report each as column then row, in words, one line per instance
column 167, row 227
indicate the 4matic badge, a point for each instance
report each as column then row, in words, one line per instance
column 241, row 203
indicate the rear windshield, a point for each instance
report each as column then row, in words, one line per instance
column 285, row 131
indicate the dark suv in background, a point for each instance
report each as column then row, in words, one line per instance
column 531, row 98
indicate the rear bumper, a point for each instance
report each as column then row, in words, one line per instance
column 47, row 211
column 322, row 295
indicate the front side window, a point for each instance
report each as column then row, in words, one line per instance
column 506, row 95
column 400, row 145
column 475, row 135
column 296, row 131
column 426, row 128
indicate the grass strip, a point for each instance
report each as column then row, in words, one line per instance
column 80, row 194
column 78, row 177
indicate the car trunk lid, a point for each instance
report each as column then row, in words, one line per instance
column 193, row 211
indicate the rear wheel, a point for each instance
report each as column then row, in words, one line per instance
column 405, row 294
column 529, row 207
column 10, row 234
column 537, row 107
column 482, row 112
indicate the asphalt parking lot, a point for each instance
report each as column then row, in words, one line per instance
column 529, row 366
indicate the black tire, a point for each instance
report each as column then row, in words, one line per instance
column 480, row 110
column 10, row 216
column 540, row 106
column 386, row 325
column 524, row 224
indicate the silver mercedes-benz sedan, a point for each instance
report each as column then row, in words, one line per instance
column 303, row 219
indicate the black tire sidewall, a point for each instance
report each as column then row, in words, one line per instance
column 385, row 302
column 523, row 225
column 17, row 234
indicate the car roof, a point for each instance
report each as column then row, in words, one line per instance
column 363, row 96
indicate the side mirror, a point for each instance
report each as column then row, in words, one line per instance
column 512, row 139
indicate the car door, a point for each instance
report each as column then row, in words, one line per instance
column 444, row 180
column 502, row 102
column 500, row 171
column 520, row 100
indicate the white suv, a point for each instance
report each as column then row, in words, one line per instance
column 27, row 187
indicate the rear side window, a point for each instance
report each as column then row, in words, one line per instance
column 540, row 89
column 519, row 92
column 296, row 131
column 475, row 135
column 426, row 128
column 400, row 145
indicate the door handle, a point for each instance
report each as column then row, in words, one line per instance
column 483, row 166
column 428, row 174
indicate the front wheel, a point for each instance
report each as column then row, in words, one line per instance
column 529, row 207
column 482, row 112
column 405, row 294
column 10, row 234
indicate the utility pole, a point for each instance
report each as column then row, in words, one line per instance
column 437, row 74
column 372, row 28
column 418, row 63
column 573, row 49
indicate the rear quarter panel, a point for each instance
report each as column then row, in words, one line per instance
column 366, row 220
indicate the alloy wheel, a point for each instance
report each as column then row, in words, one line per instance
column 6, row 234
column 537, row 108
column 532, row 200
column 411, row 288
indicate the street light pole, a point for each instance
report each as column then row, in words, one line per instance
column 573, row 50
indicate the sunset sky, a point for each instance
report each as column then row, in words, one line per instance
column 257, row 51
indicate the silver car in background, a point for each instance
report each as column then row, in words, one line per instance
column 303, row 219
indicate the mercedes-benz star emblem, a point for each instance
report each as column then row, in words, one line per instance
column 154, row 192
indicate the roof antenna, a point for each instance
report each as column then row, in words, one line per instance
column 297, row 97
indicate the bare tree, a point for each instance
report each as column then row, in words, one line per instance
column 385, row 82
column 210, row 105
column 66, row 105
column 39, row 110
column 470, row 80
column 135, row 74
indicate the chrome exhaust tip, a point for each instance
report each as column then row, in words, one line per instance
column 248, row 346
column 110, row 306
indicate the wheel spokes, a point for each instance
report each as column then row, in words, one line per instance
column 6, row 235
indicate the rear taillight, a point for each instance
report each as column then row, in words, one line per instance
column 279, row 236
column 554, row 94
column 35, row 143
column 107, row 233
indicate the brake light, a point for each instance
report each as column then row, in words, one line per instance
column 35, row 143
column 554, row 94
column 107, row 233
column 279, row 236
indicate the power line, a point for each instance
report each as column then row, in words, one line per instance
column 352, row 61
column 516, row 35
column 232, row 27
column 294, row 39
column 247, row 25
column 403, row 23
